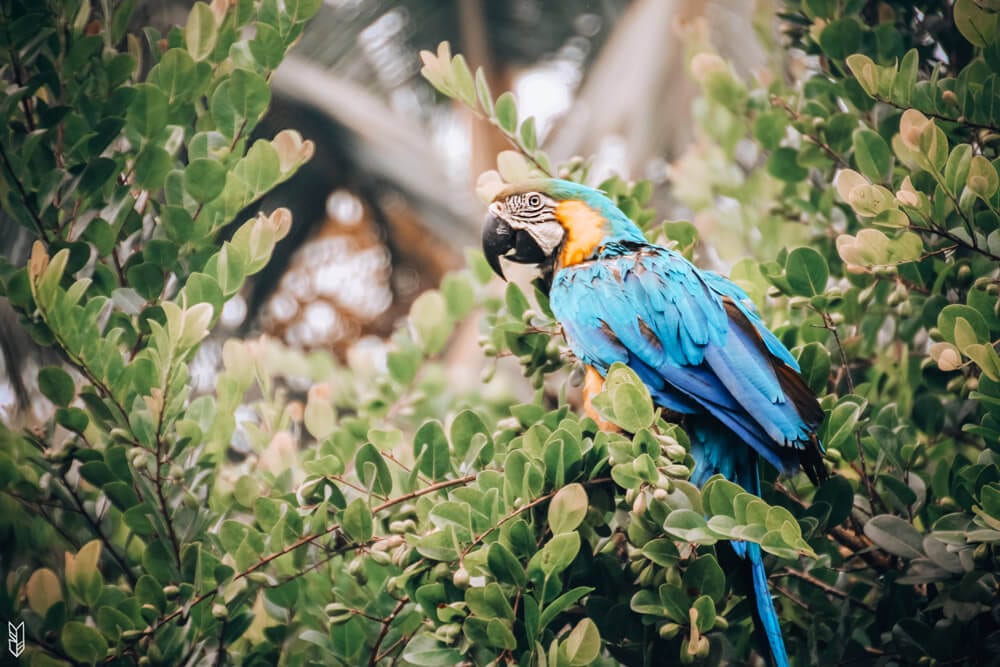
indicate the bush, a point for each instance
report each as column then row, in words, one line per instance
column 393, row 517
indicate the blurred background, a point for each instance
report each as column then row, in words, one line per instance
column 387, row 204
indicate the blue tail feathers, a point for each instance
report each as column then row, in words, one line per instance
column 715, row 454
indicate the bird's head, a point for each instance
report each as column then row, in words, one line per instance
column 553, row 224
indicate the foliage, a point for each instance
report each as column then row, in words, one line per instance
column 397, row 516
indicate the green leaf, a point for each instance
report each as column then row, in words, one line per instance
column 807, row 272
column 425, row 651
column 204, row 179
column 895, row 535
column 906, row 79
column 583, row 644
column 706, row 612
column 983, row 179
column 838, row 493
column 561, row 604
column 56, row 385
column 506, row 112
column 147, row 113
column 461, row 77
column 689, row 526
column 372, row 470
column 769, row 128
column 430, row 449
column 840, row 423
column 83, row 643
column 504, row 565
column 568, row 508
column 949, row 316
column 267, row 46
column 815, row 362
column 200, row 32
column 147, row 279
column 249, row 95
column 528, row 139
column 151, row 167
column 174, row 74
column 841, row 38
column 872, row 154
column 705, row 577
column 431, row 324
column 357, row 521
column 783, row 164
column 956, row 170
column 976, row 24
column 120, row 19
column 557, row 554
column 97, row 172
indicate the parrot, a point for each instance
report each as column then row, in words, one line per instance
column 692, row 336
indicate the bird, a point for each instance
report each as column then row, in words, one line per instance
column 692, row 336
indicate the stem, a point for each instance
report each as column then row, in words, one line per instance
column 96, row 527
column 869, row 488
column 944, row 233
column 823, row 586
column 40, row 228
column 386, row 623
column 947, row 119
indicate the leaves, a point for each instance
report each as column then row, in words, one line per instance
column 567, row 509
column 57, row 385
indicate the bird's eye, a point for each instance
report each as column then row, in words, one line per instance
column 534, row 201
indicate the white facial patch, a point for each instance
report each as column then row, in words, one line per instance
column 548, row 235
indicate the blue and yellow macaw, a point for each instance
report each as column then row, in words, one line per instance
column 692, row 336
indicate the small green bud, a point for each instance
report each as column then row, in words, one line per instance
column 335, row 608
column 356, row 568
column 677, row 471
column 380, row 557
column 669, row 630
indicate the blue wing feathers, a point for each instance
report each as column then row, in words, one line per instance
column 653, row 308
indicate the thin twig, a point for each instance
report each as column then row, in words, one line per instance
column 386, row 624
column 944, row 233
column 96, row 527
column 946, row 119
column 35, row 217
column 823, row 586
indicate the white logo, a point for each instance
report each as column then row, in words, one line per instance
column 15, row 638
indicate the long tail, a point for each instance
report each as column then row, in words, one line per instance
column 714, row 453
column 765, row 616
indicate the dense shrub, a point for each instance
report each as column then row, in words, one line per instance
column 393, row 518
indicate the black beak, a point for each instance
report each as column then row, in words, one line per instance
column 499, row 238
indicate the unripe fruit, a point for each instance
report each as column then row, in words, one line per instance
column 639, row 505
column 356, row 568
column 219, row 611
column 461, row 578
column 380, row 557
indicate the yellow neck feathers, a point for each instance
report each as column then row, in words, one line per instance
column 584, row 231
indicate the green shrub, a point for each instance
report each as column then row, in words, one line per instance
column 396, row 517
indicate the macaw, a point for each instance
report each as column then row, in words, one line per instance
column 692, row 336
